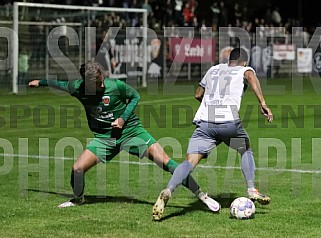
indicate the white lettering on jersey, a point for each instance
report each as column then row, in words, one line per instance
column 223, row 93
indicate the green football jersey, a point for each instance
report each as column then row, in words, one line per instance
column 117, row 100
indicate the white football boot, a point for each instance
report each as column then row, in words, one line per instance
column 73, row 202
column 213, row 205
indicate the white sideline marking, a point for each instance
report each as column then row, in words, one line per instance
column 153, row 164
column 165, row 100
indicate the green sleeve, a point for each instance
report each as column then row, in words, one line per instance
column 43, row 82
column 129, row 94
column 69, row 86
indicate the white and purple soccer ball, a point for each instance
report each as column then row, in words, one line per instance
column 242, row 208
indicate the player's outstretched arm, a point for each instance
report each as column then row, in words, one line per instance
column 255, row 85
column 69, row 86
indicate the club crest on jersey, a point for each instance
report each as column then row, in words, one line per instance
column 106, row 100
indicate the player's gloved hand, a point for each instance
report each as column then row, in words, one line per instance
column 34, row 83
column 118, row 123
column 266, row 111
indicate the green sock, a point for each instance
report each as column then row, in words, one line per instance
column 171, row 166
column 189, row 182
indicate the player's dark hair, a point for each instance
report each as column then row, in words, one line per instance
column 239, row 55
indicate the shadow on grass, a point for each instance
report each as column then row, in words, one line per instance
column 225, row 199
column 191, row 207
column 67, row 195
column 93, row 199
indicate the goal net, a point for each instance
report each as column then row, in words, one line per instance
column 52, row 41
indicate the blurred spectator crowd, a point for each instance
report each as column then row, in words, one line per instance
column 200, row 14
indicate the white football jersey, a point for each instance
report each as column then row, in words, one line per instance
column 223, row 93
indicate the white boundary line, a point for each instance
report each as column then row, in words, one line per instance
column 153, row 164
column 164, row 100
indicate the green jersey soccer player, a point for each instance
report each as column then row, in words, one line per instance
column 109, row 105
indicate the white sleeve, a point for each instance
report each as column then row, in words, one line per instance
column 248, row 68
column 202, row 83
column 204, row 79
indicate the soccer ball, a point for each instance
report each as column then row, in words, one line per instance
column 242, row 208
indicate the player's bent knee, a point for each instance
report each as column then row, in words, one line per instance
column 85, row 161
column 77, row 169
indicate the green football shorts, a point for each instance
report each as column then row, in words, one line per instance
column 134, row 140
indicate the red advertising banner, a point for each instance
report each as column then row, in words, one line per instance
column 188, row 50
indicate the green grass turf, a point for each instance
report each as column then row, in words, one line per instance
column 120, row 195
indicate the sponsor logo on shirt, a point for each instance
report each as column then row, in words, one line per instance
column 107, row 115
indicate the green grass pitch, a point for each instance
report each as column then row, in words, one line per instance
column 43, row 131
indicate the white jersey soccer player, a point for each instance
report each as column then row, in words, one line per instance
column 224, row 87
column 217, row 120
